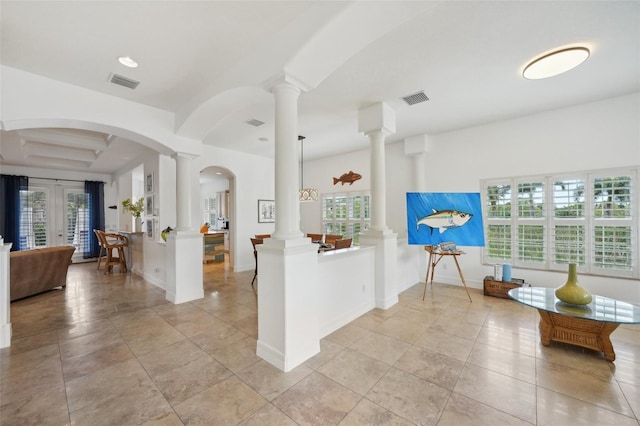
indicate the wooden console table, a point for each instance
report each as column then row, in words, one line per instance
column 435, row 256
column 588, row 326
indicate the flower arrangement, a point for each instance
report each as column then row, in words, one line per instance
column 136, row 208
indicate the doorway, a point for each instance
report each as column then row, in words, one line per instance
column 217, row 187
column 55, row 214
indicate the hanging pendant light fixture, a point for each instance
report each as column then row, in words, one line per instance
column 305, row 194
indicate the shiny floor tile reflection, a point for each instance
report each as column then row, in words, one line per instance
column 111, row 350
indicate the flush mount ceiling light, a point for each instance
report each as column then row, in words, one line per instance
column 128, row 62
column 555, row 63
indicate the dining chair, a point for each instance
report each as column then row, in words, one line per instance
column 331, row 238
column 343, row 243
column 254, row 243
column 315, row 237
column 263, row 236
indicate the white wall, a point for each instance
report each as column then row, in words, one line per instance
column 596, row 135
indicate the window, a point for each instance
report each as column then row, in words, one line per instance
column 347, row 214
column 209, row 210
column 587, row 218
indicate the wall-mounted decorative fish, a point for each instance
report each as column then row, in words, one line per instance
column 347, row 178
column 444, row 219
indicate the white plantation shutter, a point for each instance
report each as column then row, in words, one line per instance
column 347, row 214
column 589, row 218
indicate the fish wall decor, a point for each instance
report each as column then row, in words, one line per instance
column 347, row 178
column 456, row 216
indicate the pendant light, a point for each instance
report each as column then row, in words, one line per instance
column 305, row 194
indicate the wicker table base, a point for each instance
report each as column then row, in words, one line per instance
column 577, row 331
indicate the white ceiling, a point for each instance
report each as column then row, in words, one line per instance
column 208, row 61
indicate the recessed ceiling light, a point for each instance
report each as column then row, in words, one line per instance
column 128, row 62
column 555, row 63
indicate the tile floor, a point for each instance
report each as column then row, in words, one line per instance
column 110, row 350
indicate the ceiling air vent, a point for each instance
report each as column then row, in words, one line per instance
column 123, row 81
column 416, row 98
column 254, row 122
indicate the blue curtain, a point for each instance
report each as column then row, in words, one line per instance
column 10, row 187
column 96, row 216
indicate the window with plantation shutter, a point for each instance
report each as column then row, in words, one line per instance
column 209, row 210
column 588, row 218
column 346, row 214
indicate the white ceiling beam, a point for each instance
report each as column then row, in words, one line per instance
column 57, row 151
column 56, row 137
column 58, row 162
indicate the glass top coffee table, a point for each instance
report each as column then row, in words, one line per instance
column 588, row 326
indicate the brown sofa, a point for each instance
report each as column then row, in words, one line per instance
column 38, row 270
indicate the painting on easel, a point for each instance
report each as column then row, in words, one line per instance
column 437, row 217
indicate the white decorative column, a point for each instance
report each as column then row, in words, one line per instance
column 378, row 121
column 183, row 191
column 378, row 176
column 287, row 224
column 287, row 279
column 184, row 245
column 5, row 299
column 417, row 147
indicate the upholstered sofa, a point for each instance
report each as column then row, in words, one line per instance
column 34, row 271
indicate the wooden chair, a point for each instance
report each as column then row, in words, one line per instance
column 315, row 237
column 254, row 243
column 113, row 242
column 331, row 238
column 343, row 243
column 263, row 236
column 102, row 254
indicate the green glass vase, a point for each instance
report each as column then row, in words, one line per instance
column 572, row 292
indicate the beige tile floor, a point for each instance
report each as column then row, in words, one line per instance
column 110, row 350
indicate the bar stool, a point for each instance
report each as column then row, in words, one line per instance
column 111, row 242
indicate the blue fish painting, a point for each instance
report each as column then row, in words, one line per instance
column 454, row 216
column 444, row 219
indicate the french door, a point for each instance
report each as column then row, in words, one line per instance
column 54, row 215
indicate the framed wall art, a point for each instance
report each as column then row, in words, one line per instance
column 149, row 183
column 266, row 211
column 149, row 205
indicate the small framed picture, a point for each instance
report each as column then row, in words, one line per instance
column 149, row 183
column 266, row 211
column 149, row 205
column 149, row 223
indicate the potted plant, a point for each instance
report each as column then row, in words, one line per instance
column 136, row 210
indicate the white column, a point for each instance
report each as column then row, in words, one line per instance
column 378, row 174
column 419, row 173
column 183, row 191
column 287, row 225
column 378, row 121
column 417, row 148
column 5, row 299
column 287, row 278
column 184, row 245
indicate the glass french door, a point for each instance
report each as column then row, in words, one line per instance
column 54, row 215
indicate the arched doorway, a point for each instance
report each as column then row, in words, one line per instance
column 216, row 204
